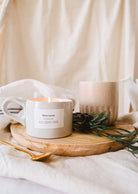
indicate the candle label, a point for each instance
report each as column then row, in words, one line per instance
column 49, row 118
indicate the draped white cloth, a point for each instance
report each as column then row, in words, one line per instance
column 26, row 89
column 65, row 42
column 110, row 173
column 61, row 43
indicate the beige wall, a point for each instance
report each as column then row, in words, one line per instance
column 136, row 54
column 84, row 40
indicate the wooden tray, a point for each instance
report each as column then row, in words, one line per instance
column 77, row 144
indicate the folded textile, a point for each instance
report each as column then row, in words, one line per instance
column 113, row 172
column 132, row 89
column 106, row 173
column 131, row 118
column 29, row 88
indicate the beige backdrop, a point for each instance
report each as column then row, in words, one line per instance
column 136, row 44
column 64, row 42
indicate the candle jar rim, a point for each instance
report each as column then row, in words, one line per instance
column 44, row 99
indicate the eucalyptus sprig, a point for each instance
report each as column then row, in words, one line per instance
column 97, row 124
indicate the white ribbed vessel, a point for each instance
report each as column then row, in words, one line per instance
column 97, row 97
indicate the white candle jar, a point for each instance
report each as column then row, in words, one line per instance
column 43, row 117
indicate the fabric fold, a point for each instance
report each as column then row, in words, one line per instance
column 29, row 88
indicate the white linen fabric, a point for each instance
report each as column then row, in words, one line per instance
column 65, row 42
column 26, row 89
column 132, row 89
column 62, row 43
column 110, row 173
column 23, row 186
column 65, row 173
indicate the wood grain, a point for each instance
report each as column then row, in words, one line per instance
column 77, row 144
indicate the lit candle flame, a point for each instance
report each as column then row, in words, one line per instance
column 49, row 99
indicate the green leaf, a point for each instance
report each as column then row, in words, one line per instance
column 98, row 116
column 97, row 124
column 133, row 141
column 94, row 132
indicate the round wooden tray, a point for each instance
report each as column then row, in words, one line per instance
column 78, row 144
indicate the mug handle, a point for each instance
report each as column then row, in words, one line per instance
column 21, row 116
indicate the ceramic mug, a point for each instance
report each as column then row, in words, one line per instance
column 43, row 117
column 97, row 97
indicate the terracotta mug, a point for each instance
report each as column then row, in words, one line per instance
column 97, row 97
